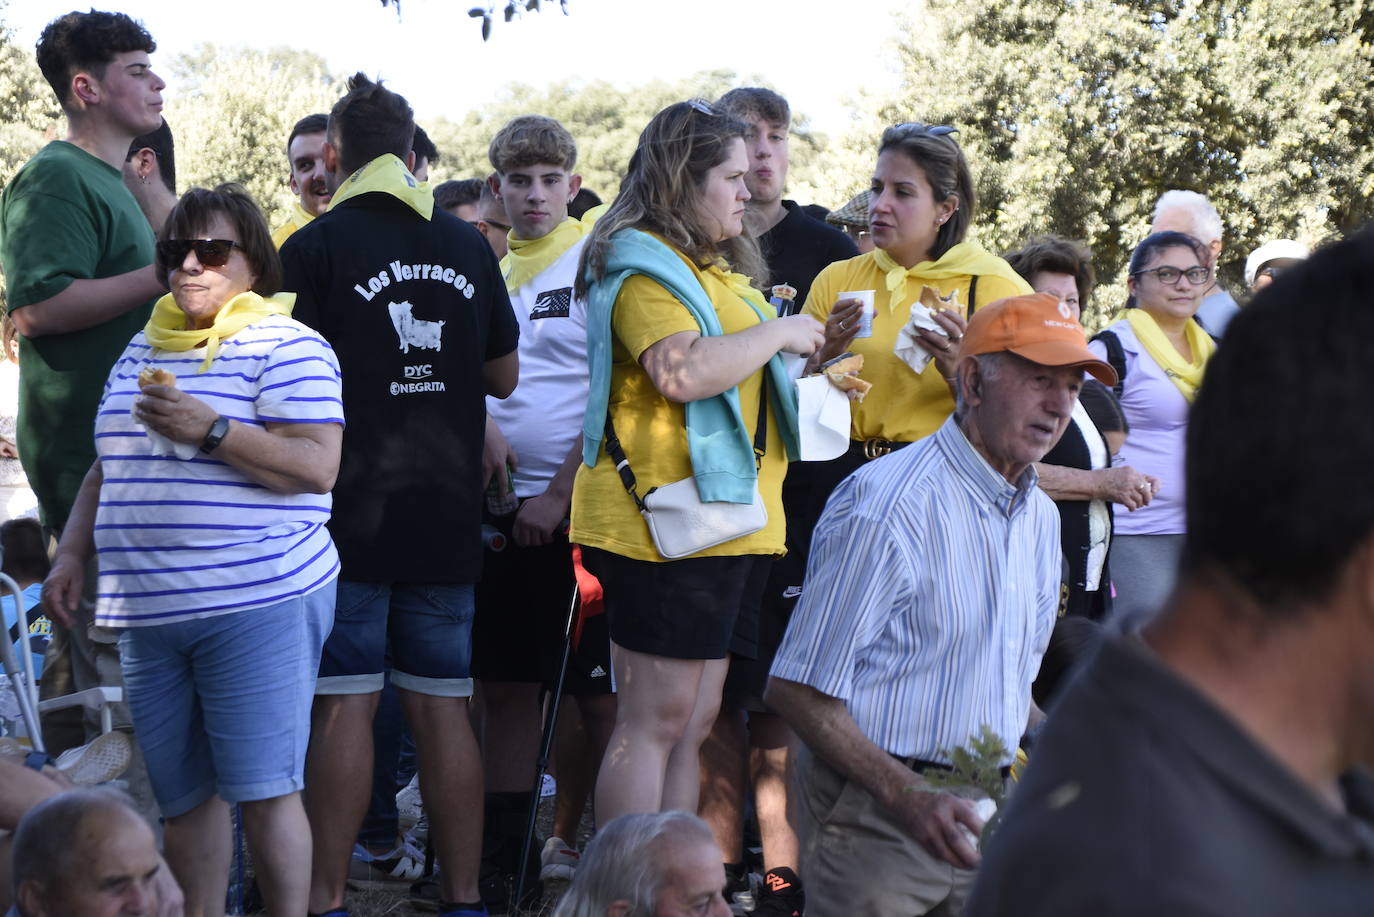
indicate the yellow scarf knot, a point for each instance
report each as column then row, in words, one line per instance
column 388, row 175
column 963, row 260
column 166, row 329
column 739, row 284
column 1186, row 376
column 528, row 258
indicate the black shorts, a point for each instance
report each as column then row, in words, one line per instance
column 589, row 666
column 522, row 610
column 695, row 608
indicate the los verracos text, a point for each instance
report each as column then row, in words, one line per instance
column 398, row 272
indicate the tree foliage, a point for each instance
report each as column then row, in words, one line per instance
column 29, row 113
column 1077, row 115
column 231, row 110
column 605, row 120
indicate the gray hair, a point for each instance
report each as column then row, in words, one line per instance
column 49, row 833
column 624, row 862
column 989, row 369
column 1206, row 220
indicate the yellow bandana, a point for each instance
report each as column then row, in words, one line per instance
column 388, row 175
column 166, row 329
column 739, row 284
column 963, row 260
column 528, row 258
column 1186, row 376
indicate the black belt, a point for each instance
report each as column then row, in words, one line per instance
column 875, row 448
column 920, row 766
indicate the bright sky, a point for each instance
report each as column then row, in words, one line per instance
column 818, row 54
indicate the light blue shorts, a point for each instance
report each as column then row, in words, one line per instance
column 222, row 704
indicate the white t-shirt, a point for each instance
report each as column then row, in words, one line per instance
column 542, row 419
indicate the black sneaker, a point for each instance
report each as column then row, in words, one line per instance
column 780, row 895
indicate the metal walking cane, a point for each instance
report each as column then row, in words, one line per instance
column 25, row 692
column 541, row 764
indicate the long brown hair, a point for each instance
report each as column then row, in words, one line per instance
column 932, row 147
column 659, row 193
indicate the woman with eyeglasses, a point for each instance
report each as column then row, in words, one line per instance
column 218, row 442
column 1159, row 352
column 686, row 386
column 921, row 203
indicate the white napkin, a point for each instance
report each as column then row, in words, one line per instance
column 822, row 419
column 161, row 445
column 908, row 346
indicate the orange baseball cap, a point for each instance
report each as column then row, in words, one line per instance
column 1037, row 327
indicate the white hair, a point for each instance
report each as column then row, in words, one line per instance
column 626, row 862
column 1206, row 220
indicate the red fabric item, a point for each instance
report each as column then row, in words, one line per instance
column 591, row 598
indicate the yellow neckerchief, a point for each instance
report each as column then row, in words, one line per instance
column 388, row 175
column 302, row 216
column 527, row 258
column 739, row 284
column 166, row 329
column 963, row 260
column 1186, row 376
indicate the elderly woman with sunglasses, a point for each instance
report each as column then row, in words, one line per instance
column 1159, row 352
column 920, row 206
column 218, row 442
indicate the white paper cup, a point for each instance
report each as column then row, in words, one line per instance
column 866, row 318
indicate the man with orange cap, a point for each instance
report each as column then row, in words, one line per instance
column 931, row 590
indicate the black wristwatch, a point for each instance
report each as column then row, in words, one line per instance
column 216, row 434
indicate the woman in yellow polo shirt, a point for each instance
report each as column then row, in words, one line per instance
column 920, row 206
column 679, row 347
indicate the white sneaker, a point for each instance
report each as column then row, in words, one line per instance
column 408, row 801
column 548, row 787
column 558, row 861
column 98, row 761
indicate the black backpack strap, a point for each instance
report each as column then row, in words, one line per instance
column 1116, row 357
column 972, row 296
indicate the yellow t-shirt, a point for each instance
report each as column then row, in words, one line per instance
column 902, row 406
column 652, row 429
column 299, row 217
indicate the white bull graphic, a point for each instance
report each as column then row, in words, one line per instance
column 414, row 332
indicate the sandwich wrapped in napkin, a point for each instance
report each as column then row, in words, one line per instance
column 843, row 373
column 824, row 412
column 161, row 445
column 908, row 347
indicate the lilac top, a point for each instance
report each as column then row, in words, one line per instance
column 1158, row 415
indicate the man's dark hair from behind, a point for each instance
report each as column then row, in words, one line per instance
column 423, row 147
column 370, row 121
column 458, row 192
column 755, row 102
column 24, row 550
column 160, row 142
column 86, row 41
column 1292, row 385
column 310, row 124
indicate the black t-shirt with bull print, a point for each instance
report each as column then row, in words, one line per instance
column 413, row 308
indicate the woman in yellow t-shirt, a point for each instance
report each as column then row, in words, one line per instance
column 675, row 334
column 920, row 206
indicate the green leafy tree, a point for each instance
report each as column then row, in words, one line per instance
column 606, row 121
column 29, row 113
column 231, row 110
column 1076, row 115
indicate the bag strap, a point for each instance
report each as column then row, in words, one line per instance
column 622, row 464
column 1116, row 357
column 972, row 297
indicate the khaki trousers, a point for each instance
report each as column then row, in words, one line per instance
column 855, row 859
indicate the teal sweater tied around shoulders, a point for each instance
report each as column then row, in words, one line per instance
column 721, row 449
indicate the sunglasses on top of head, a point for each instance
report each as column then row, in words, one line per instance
column 209, row 252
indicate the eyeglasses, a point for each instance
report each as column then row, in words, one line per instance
column 857, row 234
column 209, row 252
column 702, row 106
column 1170, row 275
column 916, row 128
column 501, row 226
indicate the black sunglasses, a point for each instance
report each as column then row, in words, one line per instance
column 499, row 225
column 209, row 252
column 932, row 130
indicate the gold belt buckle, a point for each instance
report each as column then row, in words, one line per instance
column 876, row 448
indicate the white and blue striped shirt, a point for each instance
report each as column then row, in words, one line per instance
column 178, row 539
column 930, row 593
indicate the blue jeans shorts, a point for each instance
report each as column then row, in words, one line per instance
column 222, row 704
column 424, row 630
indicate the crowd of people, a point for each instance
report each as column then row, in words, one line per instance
column 347, row 505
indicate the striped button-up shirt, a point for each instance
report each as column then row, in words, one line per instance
column 930, row 593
